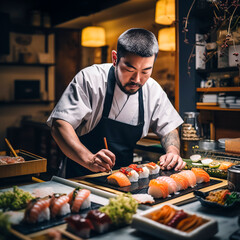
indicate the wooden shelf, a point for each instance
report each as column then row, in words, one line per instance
column 215, row 108
column 216, row 70
column 219, row 89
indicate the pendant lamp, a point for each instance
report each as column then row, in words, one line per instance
column 165, row 12
column 166, row 39
column 93, row 37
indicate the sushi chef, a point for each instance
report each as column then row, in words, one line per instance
column 120, row 102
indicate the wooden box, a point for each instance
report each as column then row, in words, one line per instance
column 33, row 164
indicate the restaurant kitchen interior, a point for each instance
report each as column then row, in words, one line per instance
column 42, row 48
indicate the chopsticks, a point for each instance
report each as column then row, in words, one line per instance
column 106, row 146
column 11, row 148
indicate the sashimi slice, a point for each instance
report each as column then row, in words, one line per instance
column 201, row 175
column 172, row 185
column 181, row 181
column 192, row 180
column 119, row 179
column 158, row 188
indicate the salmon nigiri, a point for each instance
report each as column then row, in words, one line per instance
column 79, row 199
column 201, row 175
column 192, row 180
column 119, row 179
column 172, row 185
column 158, row 188
column 181, row 181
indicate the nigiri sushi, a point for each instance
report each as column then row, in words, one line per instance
column 119, row 179
column 100, row 221
column 153, row 168
column 79, row 226
column 59, row 205
column 79, row 199
column 172, row 185
column 131, row 174
column 201, row 175
column 158, row 188
column 37, row 210
column 181, row 181
column 142, row 170
column 192, row 180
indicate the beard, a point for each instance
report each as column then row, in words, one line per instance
column 123, row 87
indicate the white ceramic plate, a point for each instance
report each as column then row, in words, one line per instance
column 143, row 222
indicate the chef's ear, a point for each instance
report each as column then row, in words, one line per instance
column 114, row 58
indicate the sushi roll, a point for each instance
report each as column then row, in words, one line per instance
column 131, row 174
column 100, row 221
column 79, row 226
column 158, row 188
column 192, row 180
column 201, row 175
column 59, row 205
column 79, row 199
column 172, row 185
column 142, row 170
column 37, row 210
column 153, row 168
column 181, row 181
column 118, row 179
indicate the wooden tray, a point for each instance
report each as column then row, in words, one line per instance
column 33, row 164
column 99, row 181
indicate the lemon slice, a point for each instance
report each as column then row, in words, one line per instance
column 214, row 164
column 206, row 161
column 195, row 157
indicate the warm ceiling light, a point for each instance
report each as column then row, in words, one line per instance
column 166, row 39
column 165, row 12
column 93, row 37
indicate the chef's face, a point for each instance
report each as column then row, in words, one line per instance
column 132, row 71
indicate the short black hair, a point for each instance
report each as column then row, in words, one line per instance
column 137, row 41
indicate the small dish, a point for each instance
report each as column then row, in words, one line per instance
column 143, row 222
column 201, row 196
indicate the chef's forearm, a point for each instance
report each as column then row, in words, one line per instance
column 68, row 141
column 171, row 143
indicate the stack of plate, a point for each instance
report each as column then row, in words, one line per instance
column 213, row 98
column 221, row 101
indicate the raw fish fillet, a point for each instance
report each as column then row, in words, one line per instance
column 201, row 175
column 119, row 179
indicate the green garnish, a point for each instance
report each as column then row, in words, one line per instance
column 4, row 226
column 232, row 198
column 15, row 200
column 121, row 209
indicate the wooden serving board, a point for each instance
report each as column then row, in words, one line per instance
column 99, row 181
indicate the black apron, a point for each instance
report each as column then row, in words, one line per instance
column 121, row 137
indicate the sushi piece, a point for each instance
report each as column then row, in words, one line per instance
column 37, row 210
column 143, row 198
column 79, row 199
column 142, row 170
column 225, row 165
column 192, row 180
column 158, row 188
column 153, row 168
column 79, row 226
column 201, row 175
column 172, row 185
column 131, row 174
column 181, row 181
column 59, row 205
column 119, row 179
column 100, row 221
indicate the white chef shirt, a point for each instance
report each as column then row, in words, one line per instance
column 82, row 102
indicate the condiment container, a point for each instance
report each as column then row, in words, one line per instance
column 234, row 178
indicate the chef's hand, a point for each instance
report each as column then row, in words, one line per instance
column 102, row 161
column 171, row 160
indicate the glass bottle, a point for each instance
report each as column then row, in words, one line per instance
column 191, row 133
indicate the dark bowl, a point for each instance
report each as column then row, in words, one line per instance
column 201, row 196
